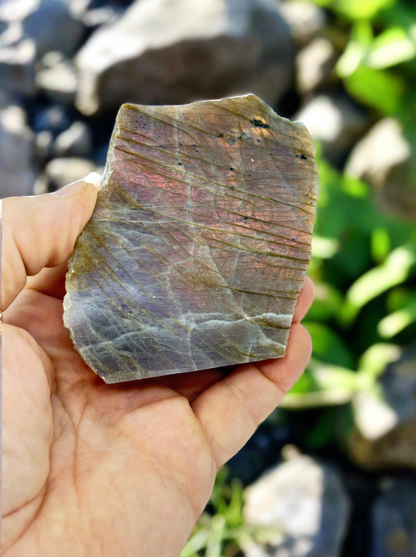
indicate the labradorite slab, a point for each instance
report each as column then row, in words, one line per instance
column 199, row 243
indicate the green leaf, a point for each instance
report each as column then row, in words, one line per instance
column 324, row 248
column 356, row 49
column 376, row 88
column 196, row 542
column 395, row 270
column 328, row 346
column 375, row 359
column 327, row 303
column 398, row 320
column 216, row 536
column 390, row 48
column 362, row 9
column 330, row 377
column 380, row 244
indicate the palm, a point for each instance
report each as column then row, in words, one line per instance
column 105, row 440
column 94, row 469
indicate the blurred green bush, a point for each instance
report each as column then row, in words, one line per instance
column 363, row 260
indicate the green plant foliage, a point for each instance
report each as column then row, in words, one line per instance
column 363, row 260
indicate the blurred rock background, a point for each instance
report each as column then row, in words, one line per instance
column 333, row 471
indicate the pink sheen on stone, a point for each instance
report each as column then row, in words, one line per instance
column 199, row 243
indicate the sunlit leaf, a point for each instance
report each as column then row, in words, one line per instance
column 216, row 536
column 356, row 49
column 398, row 320
column 377, row 88
column 356, row 9
column 374, row 360
column 391, row 47
column 380, row 244
column 196, row 542
column 325, row 248
column 395, row 270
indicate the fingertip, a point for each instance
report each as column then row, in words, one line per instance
column 304, row 301
column 95, row 179
column 287, row 370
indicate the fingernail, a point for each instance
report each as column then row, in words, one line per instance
column 72, row 189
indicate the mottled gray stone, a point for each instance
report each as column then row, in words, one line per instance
column 164, row 52
column 335, row 121
column 305, row 502
column 76, row 141
column 314, row 64
column 58, row 81
column 199, row 242
column 62, row 171
column 394, row 520
column 17, row 68
column 305, row 20
column 384, row 434
column 17, row 153
column 386, row 158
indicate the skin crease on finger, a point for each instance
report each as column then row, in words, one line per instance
column 110, row 470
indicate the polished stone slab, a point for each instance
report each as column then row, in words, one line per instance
column 199, row 243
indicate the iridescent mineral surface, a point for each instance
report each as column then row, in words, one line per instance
column 199, row 243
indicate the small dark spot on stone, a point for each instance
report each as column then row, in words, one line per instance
column 231, row 187
column 180, row 144
column 197, row 150
column 259, row 123
column 311, row 202
column 179, row 163
column 220, row 135
column 161, row 146
column 245, row 219
column 249, row 174
column 258, row 140
column 193, row 145
column 303, row 158
column 293, row 239
column 270, row 154
column 232, row 168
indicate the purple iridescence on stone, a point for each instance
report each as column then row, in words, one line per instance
column 199, row 243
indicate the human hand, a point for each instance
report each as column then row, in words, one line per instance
column 100, row 470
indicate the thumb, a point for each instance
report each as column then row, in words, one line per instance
column 41, row 231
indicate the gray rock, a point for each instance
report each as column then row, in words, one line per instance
column 393, row 520
column 17, row 153
column 334, row 121
column 314, row 64
column 306, row 20
column 17, row 68
column 62, row 171
column 44, row 145
column 58, row 81
column 76, row 141
column 51, row 24
column 53, row 118
column 385, row 157
column 164, row 52
column 384, row 435
column 107, row 15
column 305, row 502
